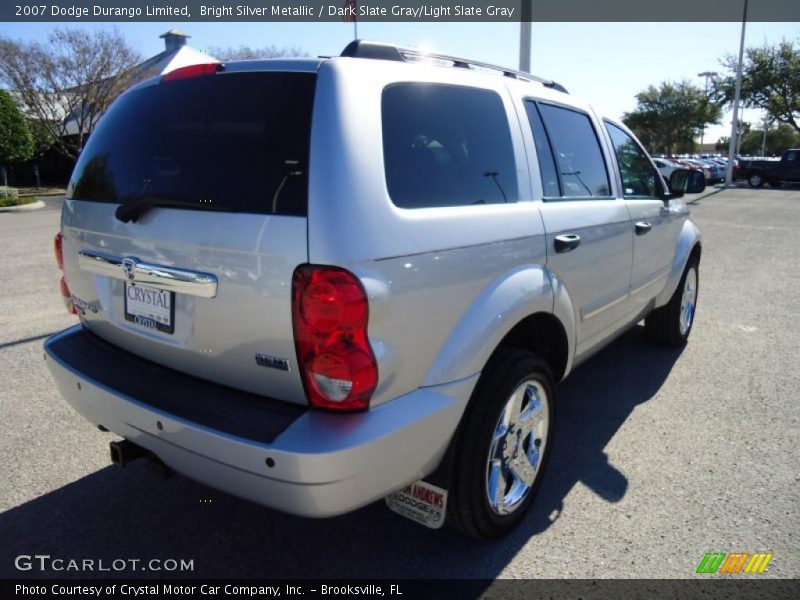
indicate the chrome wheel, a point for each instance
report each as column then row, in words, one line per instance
column 688, row 300
column 517, row 447
column 755, row 180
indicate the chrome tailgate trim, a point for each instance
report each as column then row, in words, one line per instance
column 130, row 268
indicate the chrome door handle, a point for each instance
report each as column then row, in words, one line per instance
column 643, row 227
column 567, row 242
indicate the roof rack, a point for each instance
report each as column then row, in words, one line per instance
column 381, row 51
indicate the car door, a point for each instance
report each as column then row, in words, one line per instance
column 589, row 241
column 789, row 169
column 655, row 226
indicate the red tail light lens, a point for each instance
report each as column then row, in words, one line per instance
column 192, row 71
column 58, row 248
column 330, row 313
column 67, row 296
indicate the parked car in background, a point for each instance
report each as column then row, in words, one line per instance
column 359, row 277
column 757, row 172
column 710, row 171
column 666, row 167
column 717, row 170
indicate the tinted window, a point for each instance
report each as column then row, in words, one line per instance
column 638, row 176
column 237, row 142
column 446, row 146
column 578, row 156
column 547, row 165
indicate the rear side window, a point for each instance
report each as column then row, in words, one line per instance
column 578, row 157
column 237, row 142
column 446, row 145
column 547, row 165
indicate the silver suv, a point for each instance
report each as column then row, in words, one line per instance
column 318, row 283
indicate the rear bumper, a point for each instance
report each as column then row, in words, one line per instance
column 324, row 464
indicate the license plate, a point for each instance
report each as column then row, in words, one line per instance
column 149, row 307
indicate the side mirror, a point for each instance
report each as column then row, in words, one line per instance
column 686, row 181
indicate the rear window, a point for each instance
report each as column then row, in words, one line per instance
column 237, row 142
column 577, row 152
column 446, row 145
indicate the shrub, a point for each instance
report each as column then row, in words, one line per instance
column 9, row 193
column 9, row 196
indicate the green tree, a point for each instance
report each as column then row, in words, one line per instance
column 42, row 140
column 67, row 83
column 779, row 139
column 16, row 141
column 770, row 81
column 669, row 117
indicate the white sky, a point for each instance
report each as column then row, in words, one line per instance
column 605, row 63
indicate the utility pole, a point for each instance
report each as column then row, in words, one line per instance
column 526, row 16
column 709, row 75
column 737, row 96
column 764, row 139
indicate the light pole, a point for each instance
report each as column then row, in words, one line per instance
column 764, row 139
column 526, row 16
column 709, row 75
column 737, row 96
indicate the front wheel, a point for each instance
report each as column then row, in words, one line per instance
column 672, row 323
column 755, row 180
column 503, row 445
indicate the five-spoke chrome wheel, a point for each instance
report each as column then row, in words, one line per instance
column 518, row 444
column 688, row 300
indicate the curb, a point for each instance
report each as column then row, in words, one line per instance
column 23, row 207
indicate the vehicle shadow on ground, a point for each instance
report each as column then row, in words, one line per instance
column 132, row 513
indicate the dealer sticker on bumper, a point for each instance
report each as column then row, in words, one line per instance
column 421, row 502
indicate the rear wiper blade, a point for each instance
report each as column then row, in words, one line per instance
column 134, row 207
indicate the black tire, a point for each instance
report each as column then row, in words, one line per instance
column 755, row 180
column 468, row 508
column 663, row 325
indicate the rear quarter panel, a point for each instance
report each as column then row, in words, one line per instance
column 444, row 284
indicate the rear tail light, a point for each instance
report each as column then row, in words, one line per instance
column 192, row 71
column 66, row 296
column 330, row 313
column 58, row 248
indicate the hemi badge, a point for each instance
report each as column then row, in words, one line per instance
column 273, row 362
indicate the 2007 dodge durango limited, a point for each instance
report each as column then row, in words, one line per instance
column 318, row 283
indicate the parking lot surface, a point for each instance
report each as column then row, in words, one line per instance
column 659, row 455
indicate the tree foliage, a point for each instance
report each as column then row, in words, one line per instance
column 16, row 141
column 668, row 118
column 69, row 82
column 779, row 140
column 770, row 81
column 246, row 52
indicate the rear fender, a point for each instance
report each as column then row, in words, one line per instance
column 502, row 304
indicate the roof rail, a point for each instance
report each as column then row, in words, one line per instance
column 381, row 51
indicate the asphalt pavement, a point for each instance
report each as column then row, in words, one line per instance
column 659, row 457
